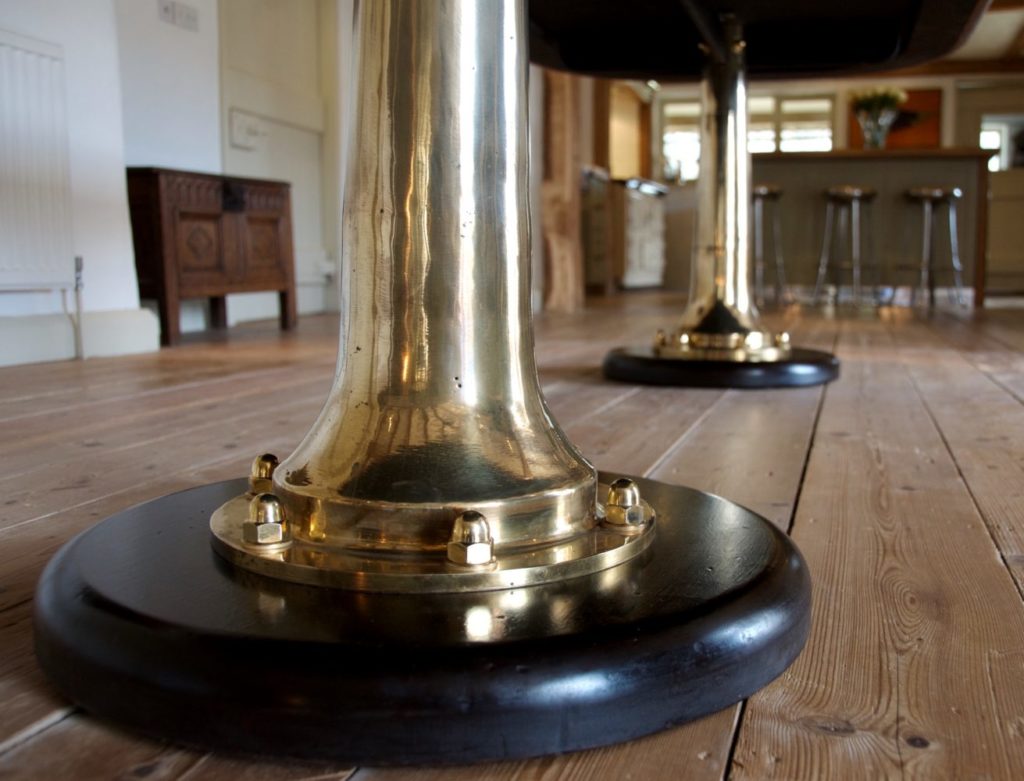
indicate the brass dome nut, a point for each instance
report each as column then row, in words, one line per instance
column 266, row 524
column 471, row 543
column 624, row 506
column 261, row 474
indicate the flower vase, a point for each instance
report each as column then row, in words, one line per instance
column 875, row 126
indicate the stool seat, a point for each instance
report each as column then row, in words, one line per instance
column 850, row 192
column 766, row 191
column 934, row 194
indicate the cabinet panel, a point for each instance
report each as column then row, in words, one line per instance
column 205, row 236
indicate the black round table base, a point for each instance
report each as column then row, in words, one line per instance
column 641, row 365
column 140, row 622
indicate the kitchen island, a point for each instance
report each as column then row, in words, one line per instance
column 893, row 223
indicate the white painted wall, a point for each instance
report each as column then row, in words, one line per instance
column 30, row 329
column 170, row 87
column 86, row 31
column 274, row 119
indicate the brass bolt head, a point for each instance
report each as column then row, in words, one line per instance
column 261, row 474
column 471, row 543
column 266, row 524
column 781, row 339
column 624, row 506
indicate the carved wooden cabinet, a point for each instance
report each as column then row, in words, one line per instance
column 204, row 236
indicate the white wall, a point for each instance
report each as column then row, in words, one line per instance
column 85, row 30
column 279, row 63
column 170, row 87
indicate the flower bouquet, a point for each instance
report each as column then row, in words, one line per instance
column 876, row 109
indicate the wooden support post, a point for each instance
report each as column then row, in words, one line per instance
column 560, row 195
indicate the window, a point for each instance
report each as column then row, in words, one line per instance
column 992, row 137
column 790, row 124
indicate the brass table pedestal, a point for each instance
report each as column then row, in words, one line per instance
column 719, row 340
column 139, row 621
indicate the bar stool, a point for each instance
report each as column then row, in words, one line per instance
column 764, row 195
column 930, row 199
column 848, row 201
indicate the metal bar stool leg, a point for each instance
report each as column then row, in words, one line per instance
column 855, row 248
column 826, row 250
column 926, row 253
column 954, row 251
column 759, row 251
column 781, row 289
column 842, row 238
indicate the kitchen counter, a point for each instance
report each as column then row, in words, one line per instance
column 893, row 223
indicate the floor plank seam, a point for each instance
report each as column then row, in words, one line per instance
column 170, row 433
column 969, row 357
column 966, row 483
column 810, row 444
column 671, row 449
column 899, row 719
column 969, row 321
column 35, row 729
column 14, row 605
column 213, row 379
column 597, row 411
column 189, row 469
column 730, row 757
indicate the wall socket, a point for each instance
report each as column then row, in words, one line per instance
column 179, row 14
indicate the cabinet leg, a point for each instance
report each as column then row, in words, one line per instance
column 218, row 312
column 288, row 315
column 170, row 320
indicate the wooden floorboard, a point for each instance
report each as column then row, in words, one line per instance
column 903, row 483
column 915, row 665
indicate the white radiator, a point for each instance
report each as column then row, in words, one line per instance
column 35, row 194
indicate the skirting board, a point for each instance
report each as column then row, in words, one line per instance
column 38, row 338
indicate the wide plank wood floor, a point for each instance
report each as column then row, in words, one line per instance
column 902, row 483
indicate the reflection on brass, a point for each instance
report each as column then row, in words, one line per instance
column 510, row 613
column 436, row 409
column 721, row 321
column 471, row 543
column 604, row 545
column 265, row 522
column 624, row 509
column 262, row 471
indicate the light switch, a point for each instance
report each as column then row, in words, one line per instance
column 165, row 10
column 246, row 131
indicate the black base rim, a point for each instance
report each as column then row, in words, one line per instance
column 139, row 622
column 641, row 365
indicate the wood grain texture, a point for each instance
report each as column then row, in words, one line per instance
column 560, row 194
column 910, row 669
column 908, row 472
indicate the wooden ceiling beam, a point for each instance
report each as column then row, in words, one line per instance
column 1014, row 49
column 1014, row 64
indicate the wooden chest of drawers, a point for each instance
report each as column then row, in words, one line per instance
column 204, row 236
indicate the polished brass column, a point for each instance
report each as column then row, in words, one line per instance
column 435, row 450
column 721, row 320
